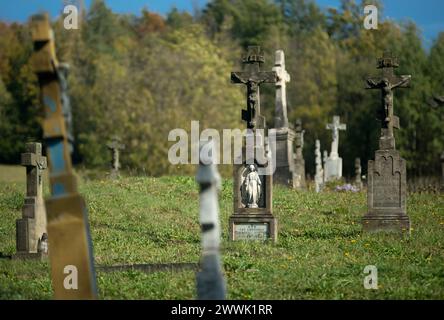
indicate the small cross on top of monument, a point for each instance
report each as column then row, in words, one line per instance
column 252, row 77
column 116, row 143
column 387, row 82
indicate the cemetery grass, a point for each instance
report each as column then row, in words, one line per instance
column 321, row 253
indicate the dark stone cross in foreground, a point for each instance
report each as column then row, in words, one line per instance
column 387, row 186
column 31, row 228
column 252, row 77
column 115, row 146
column 387, row 83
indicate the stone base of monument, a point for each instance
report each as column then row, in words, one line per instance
column 386, row 194
column 333, row 169
column 30, row 256
column 395, row 223
column 253, row 227
column 284, row 153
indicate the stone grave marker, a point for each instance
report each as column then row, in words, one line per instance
column 210, row 280
column 31, row 228
column 70, row 247
column 358, row 173
column 284, row 136
column 387, row 187
column 252, row 180
column 299, row 161
column 115, row 146
column 333, row 165
column 319, row 175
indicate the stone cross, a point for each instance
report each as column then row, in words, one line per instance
column 319, row 176
column 115, row 146
column 387, row 173
column 32, row 226
column 252, row 77
column 281, row 119
column 335, row 126
column 358, row 172
column 388, row 82
column 210, row 280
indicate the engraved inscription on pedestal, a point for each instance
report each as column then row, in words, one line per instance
column 251, row 231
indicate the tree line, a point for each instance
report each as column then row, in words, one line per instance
column 140, row 76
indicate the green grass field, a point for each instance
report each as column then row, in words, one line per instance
column 320, row 254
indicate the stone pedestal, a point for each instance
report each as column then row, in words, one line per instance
column 285, row 173
column 252, row 221
column 333, row 168
column 386, row 194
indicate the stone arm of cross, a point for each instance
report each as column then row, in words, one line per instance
column 403, row 82
column 237, row 78
column 372, row 84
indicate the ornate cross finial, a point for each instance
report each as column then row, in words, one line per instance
column 252, row 77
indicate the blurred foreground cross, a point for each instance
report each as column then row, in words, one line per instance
column 210, row 280
column 70, row 248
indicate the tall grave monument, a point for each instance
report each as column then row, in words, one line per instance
column 252, row 180
column 31, row 228
column 70, row 248
column 284, row 136
column 387, row 187
column 333, row 165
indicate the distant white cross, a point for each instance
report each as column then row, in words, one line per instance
column 335, row 127
column 283, row 77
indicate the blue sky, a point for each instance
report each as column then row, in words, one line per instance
column 427, row 14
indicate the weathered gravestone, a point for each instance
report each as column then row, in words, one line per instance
column 299, row 161
column 284, row 136
column 387, row 187
column 252, row 180
column 115, row 146
column 333, row 165
column 31, row 228
column 319, row 175
column 358, row 173
column 210, row 280
column 70, row 248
